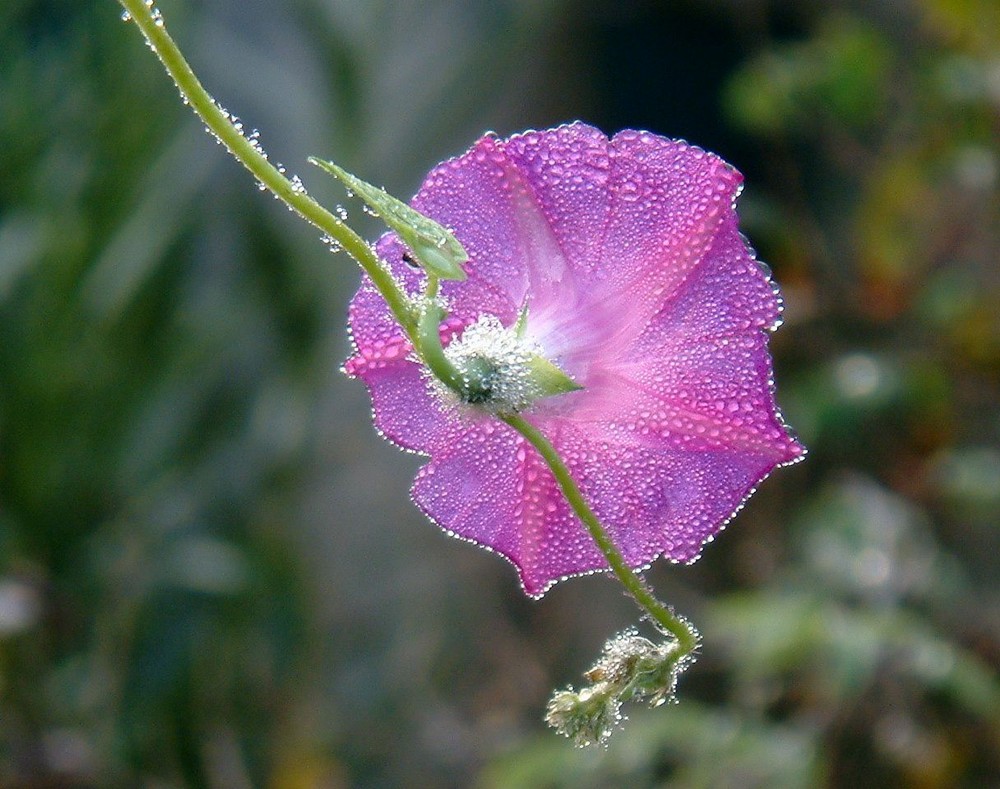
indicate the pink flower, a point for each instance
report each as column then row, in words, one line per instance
column 638, row 285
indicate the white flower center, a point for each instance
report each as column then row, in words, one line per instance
column 496, row 366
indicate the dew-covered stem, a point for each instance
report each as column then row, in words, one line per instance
column 687, row 637
column 248, row 153
column 428, row 339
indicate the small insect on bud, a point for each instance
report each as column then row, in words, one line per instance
column 434, row 247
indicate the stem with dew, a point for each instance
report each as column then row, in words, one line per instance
column 687, row 637
column 247, row 153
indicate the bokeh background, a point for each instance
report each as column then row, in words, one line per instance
column 210, row 572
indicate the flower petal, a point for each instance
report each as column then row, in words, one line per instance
column 490, row 487
column 657, row 500
column 564, row 174
column 669, row 199
column 701, row 366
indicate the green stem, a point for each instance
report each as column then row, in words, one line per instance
column 221, row 124
column 687, row 638
column 428, row 340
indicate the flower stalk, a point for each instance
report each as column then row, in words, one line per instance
column 669, row 622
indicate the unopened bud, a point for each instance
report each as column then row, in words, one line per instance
column 434, row 246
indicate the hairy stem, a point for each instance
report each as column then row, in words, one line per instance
column 687, row 637
column 247, row 153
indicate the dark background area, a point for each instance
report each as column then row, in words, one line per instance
column 210, row 572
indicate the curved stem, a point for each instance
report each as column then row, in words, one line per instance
column 687, row 637
column 249, row 154
column 428, row 340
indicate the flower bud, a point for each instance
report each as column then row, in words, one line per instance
column 434, row 247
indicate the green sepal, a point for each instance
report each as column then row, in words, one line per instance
column 435, row 248
column 545, row 374
column 549, row 379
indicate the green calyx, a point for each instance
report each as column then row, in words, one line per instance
column 496, row 368
column 487, row 381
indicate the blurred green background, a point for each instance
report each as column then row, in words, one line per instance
column 210, row 573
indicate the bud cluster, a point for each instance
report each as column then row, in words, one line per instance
column 631, row 668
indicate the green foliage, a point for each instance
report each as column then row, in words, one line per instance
column 840, row 75
column 706, row 746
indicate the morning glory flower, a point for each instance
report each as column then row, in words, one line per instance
column 616, row 268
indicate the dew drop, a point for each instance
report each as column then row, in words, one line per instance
column 332, row 244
